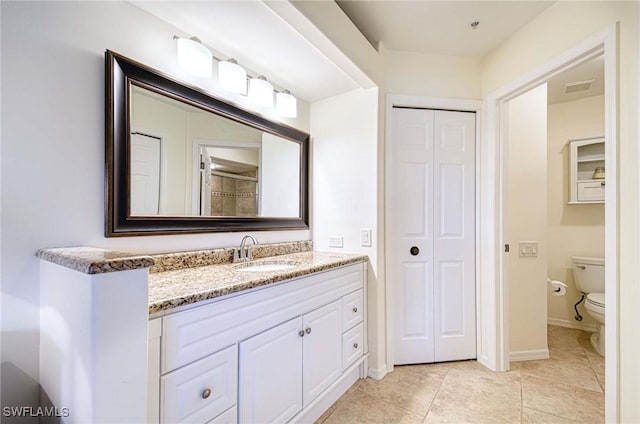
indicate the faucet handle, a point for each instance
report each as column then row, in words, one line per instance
column 236, row 255
column 249, row 252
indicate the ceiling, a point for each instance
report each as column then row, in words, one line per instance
column 258, row 36
column 441, row 27
column 592, row 70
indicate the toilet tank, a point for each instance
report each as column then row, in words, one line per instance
column 589, row 274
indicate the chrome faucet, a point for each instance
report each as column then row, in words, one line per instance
column 243, row 253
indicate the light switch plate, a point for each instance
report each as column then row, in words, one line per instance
column 335, row 242
column 528, row 249
column 365, row 237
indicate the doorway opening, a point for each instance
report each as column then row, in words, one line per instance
column 494, row 345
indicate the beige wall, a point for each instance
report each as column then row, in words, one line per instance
column 431, row 75
column 543, row 39
column 526, row 220
column 574, row 230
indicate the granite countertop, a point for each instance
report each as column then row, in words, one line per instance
column 92, row 260
column 170, row 289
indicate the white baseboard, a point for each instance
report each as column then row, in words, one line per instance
column 572, row 324
column 377, row 373
column 528, row 355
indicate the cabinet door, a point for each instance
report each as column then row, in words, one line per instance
column 322, row 347
column 271, row 374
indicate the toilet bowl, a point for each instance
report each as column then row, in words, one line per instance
column 595, row 307
column 589, row 278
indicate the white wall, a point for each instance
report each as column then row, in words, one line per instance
column 53, row 153
column 574, row 230
column 344, row 132
column 540, row 41
column 526, row 220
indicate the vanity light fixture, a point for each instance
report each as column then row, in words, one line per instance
column 261, row 91
column 194, row 57
column 232, row 76
column 286, row 104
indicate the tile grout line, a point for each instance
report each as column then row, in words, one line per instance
column 436, row 394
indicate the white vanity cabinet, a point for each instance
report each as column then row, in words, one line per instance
column 279, row 353
column 304, row 357
column 586, row 185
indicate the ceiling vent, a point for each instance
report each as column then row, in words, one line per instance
column 574, row 87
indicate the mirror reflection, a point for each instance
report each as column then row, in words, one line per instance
column 185, row 161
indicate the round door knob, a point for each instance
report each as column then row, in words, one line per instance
column 355, row 345
column 355, row 309
column 301, row 333
column 206, row 393
column 414, row 250
column 308, row 330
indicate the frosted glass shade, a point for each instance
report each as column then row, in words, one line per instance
column 194, row 57
column 261, row 92
column 286, row 105
column 232, row 77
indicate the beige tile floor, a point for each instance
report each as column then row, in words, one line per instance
column 568, row 387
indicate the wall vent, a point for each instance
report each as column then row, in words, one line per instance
column 574, row 87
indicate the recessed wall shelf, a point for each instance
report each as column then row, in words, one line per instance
column 585, row 156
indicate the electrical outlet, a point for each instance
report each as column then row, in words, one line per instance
column 365, row 237
column 335, row 242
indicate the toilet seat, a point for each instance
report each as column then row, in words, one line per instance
column 596, row 299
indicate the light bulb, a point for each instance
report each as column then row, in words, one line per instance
column 194, row 57
column 232, row 76
column 286, row 104
column 261, row 91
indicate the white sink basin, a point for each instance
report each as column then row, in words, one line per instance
column 266, row 266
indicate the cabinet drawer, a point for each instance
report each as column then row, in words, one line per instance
column 200, row 391
column 591, row 191
column 352, row 346
column 352, row 310
column 230, row 416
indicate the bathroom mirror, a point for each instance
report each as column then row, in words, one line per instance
column 179, row 160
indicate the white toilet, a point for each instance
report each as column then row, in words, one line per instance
column 589, row 277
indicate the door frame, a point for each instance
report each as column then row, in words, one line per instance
column 438, row 103
column 494, row 350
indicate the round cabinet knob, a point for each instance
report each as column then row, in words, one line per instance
column 308, row 330
column 206, row 393
column 414, row 250
column 355, row 310
column 355, row 345
column 301, row 333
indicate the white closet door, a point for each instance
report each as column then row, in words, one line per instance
column 145, row 174
column 454, row 236
column 411, row 224
column 432, row 229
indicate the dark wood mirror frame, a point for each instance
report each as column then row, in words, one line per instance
column 120, row 73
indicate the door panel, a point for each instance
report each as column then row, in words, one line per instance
column 411, row 223
column 454, row 243
column 322, row 349
column 281, row 348
column 145, row 174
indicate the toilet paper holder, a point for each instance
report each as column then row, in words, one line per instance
column 559, row 288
